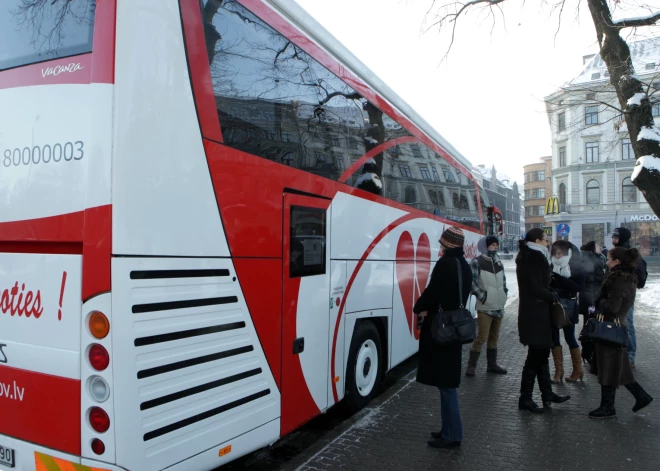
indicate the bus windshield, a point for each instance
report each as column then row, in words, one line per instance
column 39, row 30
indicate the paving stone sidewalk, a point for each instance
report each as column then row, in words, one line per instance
column 392, row 433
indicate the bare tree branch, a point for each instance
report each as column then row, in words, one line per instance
column 637, row 22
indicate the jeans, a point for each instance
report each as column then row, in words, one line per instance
column 569, row 336
column 452, row 426
column 489, row 328
column 632, row 339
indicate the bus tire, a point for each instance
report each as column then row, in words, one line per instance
column 364, row 368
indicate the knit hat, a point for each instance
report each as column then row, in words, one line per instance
column 623, row 234
column 452, row 238
column 491, row 239
column 589, row 246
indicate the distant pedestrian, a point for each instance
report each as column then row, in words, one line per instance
column 567, row 281
column 489, row 286
column 440, row 365
column 534, row 326
column 611, row 363
column 621, row 238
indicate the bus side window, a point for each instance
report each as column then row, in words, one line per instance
column 307, row 244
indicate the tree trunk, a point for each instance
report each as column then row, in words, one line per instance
column 616, row 54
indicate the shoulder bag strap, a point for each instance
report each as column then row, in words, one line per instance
column 460, row 284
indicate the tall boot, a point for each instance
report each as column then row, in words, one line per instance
column 558, row 357
column 493, row 367
column 545, row 385
column 472, row 363
column 526, row 390
column 577, row 374
column 643, row 399
column 606, row 409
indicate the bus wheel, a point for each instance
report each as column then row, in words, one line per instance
column 364, row 370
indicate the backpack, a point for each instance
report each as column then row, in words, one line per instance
column 642, row 274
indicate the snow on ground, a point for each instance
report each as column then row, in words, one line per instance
column 650, row 296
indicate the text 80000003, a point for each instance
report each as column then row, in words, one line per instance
column 44, row 154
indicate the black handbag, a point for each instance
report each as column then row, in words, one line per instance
column 609, row 333
column 456, row 326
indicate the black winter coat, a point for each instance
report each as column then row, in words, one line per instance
column 593, row 267
column 533, row 273
column 440, row 366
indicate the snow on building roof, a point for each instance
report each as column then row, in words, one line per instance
column 486, row 174
column 645, row 56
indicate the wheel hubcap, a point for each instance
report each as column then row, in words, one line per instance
column 366, row 369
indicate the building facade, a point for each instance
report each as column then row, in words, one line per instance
column 538, row 188
column 593, row 159
column 503, row 193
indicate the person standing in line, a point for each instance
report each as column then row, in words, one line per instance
column 489, row 286
column 621, row 238
column 440, row 365
column 593, row 267
column 568, row 282
column 534, row 326
column 611, row 363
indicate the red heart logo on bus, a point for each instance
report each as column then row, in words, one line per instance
column 413, row 267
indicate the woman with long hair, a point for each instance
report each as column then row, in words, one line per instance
column 568, row 282
column 534, row 326
column 611, row 363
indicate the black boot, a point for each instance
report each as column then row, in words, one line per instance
column 493, row 367
column 526, row 390
column 643, row 399
column 606, row 409
column 545, row 385
column 472, row 363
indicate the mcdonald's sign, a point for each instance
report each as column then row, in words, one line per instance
column 548, row 231
column 552, row 205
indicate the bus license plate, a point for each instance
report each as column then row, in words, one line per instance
column 7, row 456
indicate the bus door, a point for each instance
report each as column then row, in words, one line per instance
column 306, row 312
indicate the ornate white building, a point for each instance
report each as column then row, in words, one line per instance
column 592, row 158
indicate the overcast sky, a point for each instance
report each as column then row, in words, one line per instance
column 487, row 97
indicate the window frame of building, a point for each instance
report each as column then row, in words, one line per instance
column 655, row 109
column 562, row 194
column 449, row 177
column 561, row 121
column 426, row 174
column 410, row 190
column 627, row 152
column 416, row 151
column 336, row 142
column 591, row 116
column 589, row 156
column 591, row 190
column 562, row 156
column 627, row 184
column 436, row 176
column 405, row 171
column 538, row 193
column 528, row 194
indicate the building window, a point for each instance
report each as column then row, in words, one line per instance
column 593, row 232
column 593, row 192
column 629, row 191
column 528, row 194
column 562, row 195
column 336, row 142
column 561, row 119
column 340, row 163
column 287, row 159
column 410, row 195
column 592, row 152
column 352, row 143
column 562, row 156
column 320, row 158
column 539, row 193
column 416, row 151
column 591, row 115
column 539, row 176
column 405, row 171
column 448, row 175
column 627, row 150
column 433, row 196
column 655, row 109
column 538, row 210
column 436, row 177
column 463, row 204
column 426, row 175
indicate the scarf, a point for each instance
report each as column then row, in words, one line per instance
column 539, row 248
column 561, row 266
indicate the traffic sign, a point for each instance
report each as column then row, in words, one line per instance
column 563, row 230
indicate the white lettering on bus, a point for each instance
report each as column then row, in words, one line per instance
column 55, row 71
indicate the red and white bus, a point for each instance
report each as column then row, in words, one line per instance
column 214, row 223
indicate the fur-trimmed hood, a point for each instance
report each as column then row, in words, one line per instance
column 620, row 273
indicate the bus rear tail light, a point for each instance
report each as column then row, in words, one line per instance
column 99, row 325
column 99, row 357
column 99, row 420
column 98, row 446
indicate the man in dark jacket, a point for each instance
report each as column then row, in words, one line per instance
column 621, row 238
column 440, row 365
